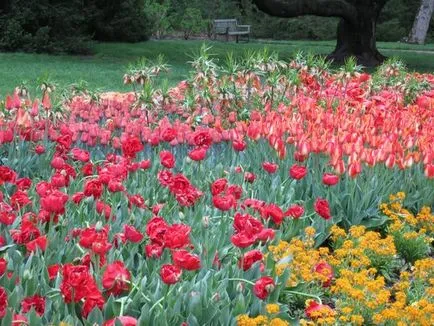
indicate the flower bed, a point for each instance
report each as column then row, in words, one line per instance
column 230, row 199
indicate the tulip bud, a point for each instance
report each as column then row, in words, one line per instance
column 27, row 275
column 98, row 226
column 205, row 221
column 216, row 297
column 240, row 287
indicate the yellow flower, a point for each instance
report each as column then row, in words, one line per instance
column 337, row 232
column 272, row 308
column 357, row 231
column 245, row 320
column 357, row 320
column 310, row 231
column 278, row 322
column 401, row 195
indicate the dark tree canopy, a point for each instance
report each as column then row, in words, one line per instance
column 356, row 29
column 68, row 25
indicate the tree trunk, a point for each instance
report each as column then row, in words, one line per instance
column 357, row 41
column 357, row 38
column 356, row 30
column 421, row 22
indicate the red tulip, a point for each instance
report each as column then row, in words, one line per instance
column 263, row 287
column 132, row 234
column 3, row 302
column 197, row 154
column 202, row 138
column 249, row 258
column 39, row 149
column 326, row 270
column 295, row 211
column 313, row 307
column 224, row 202
column 186, row 260
column 273, row 211
column 116, row 278
column 131, row 146
column 170, row 274
column 322, row 208
column 177, row 236
column 93, row 188
column 40, row 243
column 219, row 186
column 330, row 179
column 239, row 145
column 429, row 171
column 297, row 172
column 53, row 270
column 80, row 155
column 249, row 177
column 19, row 320
column 270, row 167
column 153, row 250
column 167, row 159
column 243, row 239
column 3, row 266
column 57, row 163
column 123, row 320
column 37, row 302
column 168, row 134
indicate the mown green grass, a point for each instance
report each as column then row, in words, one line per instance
column 104, row 69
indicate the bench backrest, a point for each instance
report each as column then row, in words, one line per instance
column 225, row 25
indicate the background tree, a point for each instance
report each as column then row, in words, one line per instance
column 69, row 25
column 356, row 29
column 421, row 22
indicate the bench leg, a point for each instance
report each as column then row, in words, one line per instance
column 236, row 38
column 227, row 37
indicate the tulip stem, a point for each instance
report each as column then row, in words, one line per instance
column 241, row 279
column 160, row 300
column 305, row 295
column 121, row 313
column 135, row 287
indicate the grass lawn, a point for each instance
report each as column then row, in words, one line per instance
column 104, row 70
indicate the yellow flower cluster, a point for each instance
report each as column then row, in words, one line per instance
column 261, row 320
column 272, row 308
column 409, row 307
column 361, row 260
column 362, row 295
column 300, row 257
column 360, row 249
column 423, row 221
column 359, row 293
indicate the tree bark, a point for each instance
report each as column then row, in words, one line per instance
column 356, row 30
column 421, row 22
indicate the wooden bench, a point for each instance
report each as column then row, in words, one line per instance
column 230, row 27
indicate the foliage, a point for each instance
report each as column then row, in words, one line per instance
column 44, row 26
column 394, row 22
column 192, row 22
column 57, row 26
column 122, row 21
column 159, row 17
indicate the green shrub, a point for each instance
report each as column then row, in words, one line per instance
column 390, row 31
column 192, row 22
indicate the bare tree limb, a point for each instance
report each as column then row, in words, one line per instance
column 294, row 8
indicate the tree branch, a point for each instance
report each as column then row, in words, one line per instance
column 295, row 8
